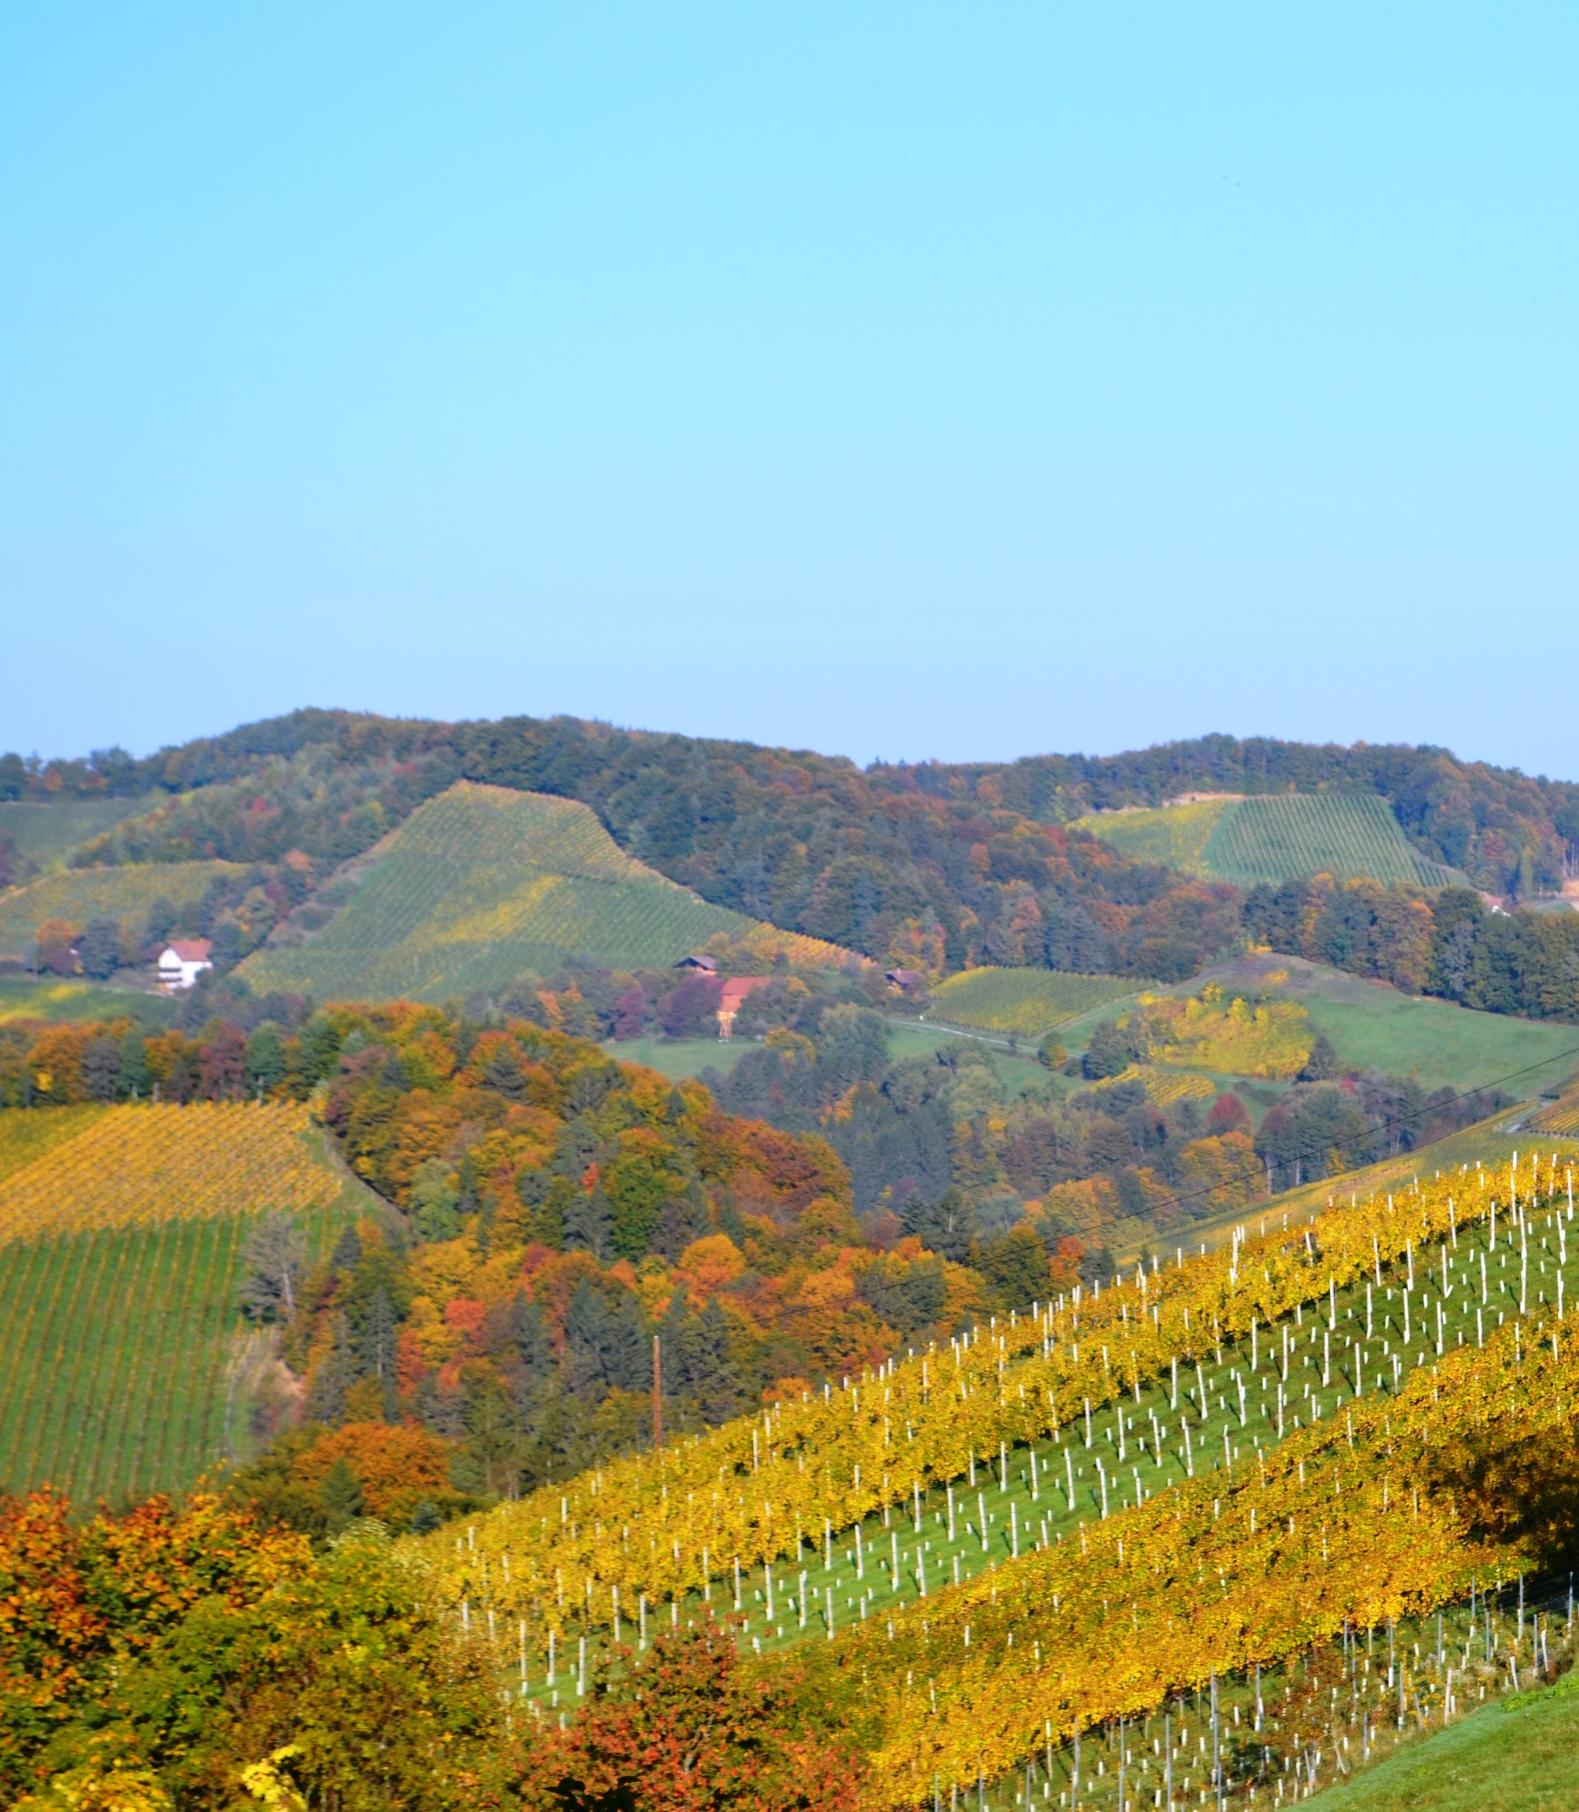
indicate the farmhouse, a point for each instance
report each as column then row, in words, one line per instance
column 732, row 997
column 182, row 961
column 905, row 981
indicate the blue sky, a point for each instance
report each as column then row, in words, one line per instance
column 896, row 380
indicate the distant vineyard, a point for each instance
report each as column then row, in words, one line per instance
column 482, row 886
column 81, row 894
column 46, row 831
column 1028, row 1002
column 1560, row 1117
column 122, row 1232
column 1274, row 838
column 1163, row 1087
column 137, row 1166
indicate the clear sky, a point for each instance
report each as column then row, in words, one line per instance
column 968, row 380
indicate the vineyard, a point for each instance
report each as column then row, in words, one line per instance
column 1163, row 1087
column 138, row 1166
column 45, row 832
column 80, row 894
column 1026, row 1002
column 26, row 1137
column 1028, row 1451
column 121, row 1235
column 482, row 886
column 1274, row 838
column 1560, row 1116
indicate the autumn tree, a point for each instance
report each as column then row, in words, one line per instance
column 689, row 1729
column 54, row 947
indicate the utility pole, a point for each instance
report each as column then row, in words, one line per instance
column 657, row 1395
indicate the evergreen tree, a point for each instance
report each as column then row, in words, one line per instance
column 589, row 1224
column 136, row 1078
column 492, row 1435
column 265, row 1059
column 708, row 1368
column 347, row 1253
column 336, row 1373
column 380, row 1330
column 342, row 1495
column 586, row 1339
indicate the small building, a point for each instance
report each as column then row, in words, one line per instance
column 700, row 965
column 182, row 961
column 732, row 997
column 905, row 981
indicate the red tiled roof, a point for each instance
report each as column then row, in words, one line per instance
column 735, row 991
column 191, row 949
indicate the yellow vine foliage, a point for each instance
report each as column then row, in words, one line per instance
column 1162, row 1086
column 135, row 1165
column 759, row 1487
column 1361, row 1518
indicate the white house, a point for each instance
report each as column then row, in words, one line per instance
column 182, row 961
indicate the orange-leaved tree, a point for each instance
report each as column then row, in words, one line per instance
column 686, row 1730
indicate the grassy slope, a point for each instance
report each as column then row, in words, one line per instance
column 1021, row 1073
column 482, row 886
column 1028, row 1002
column 124, row 1342
column 1519, row 1756
column 21, row 997
column 46, row 831
column 80, row 894
column 685, row 1057
column 1274, row 839
column 1373, row 1026
column 680, row 1058
column 1175, row 835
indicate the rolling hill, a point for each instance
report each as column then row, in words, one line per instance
column 77, row 895
column 482, row 886
column 1373, row 1026
column 122, row 1231
column 1273, row 838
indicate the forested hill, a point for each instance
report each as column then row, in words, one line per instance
column 936, row 866
column 1500, row 826
column 1508, row 831
column 794, row 838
